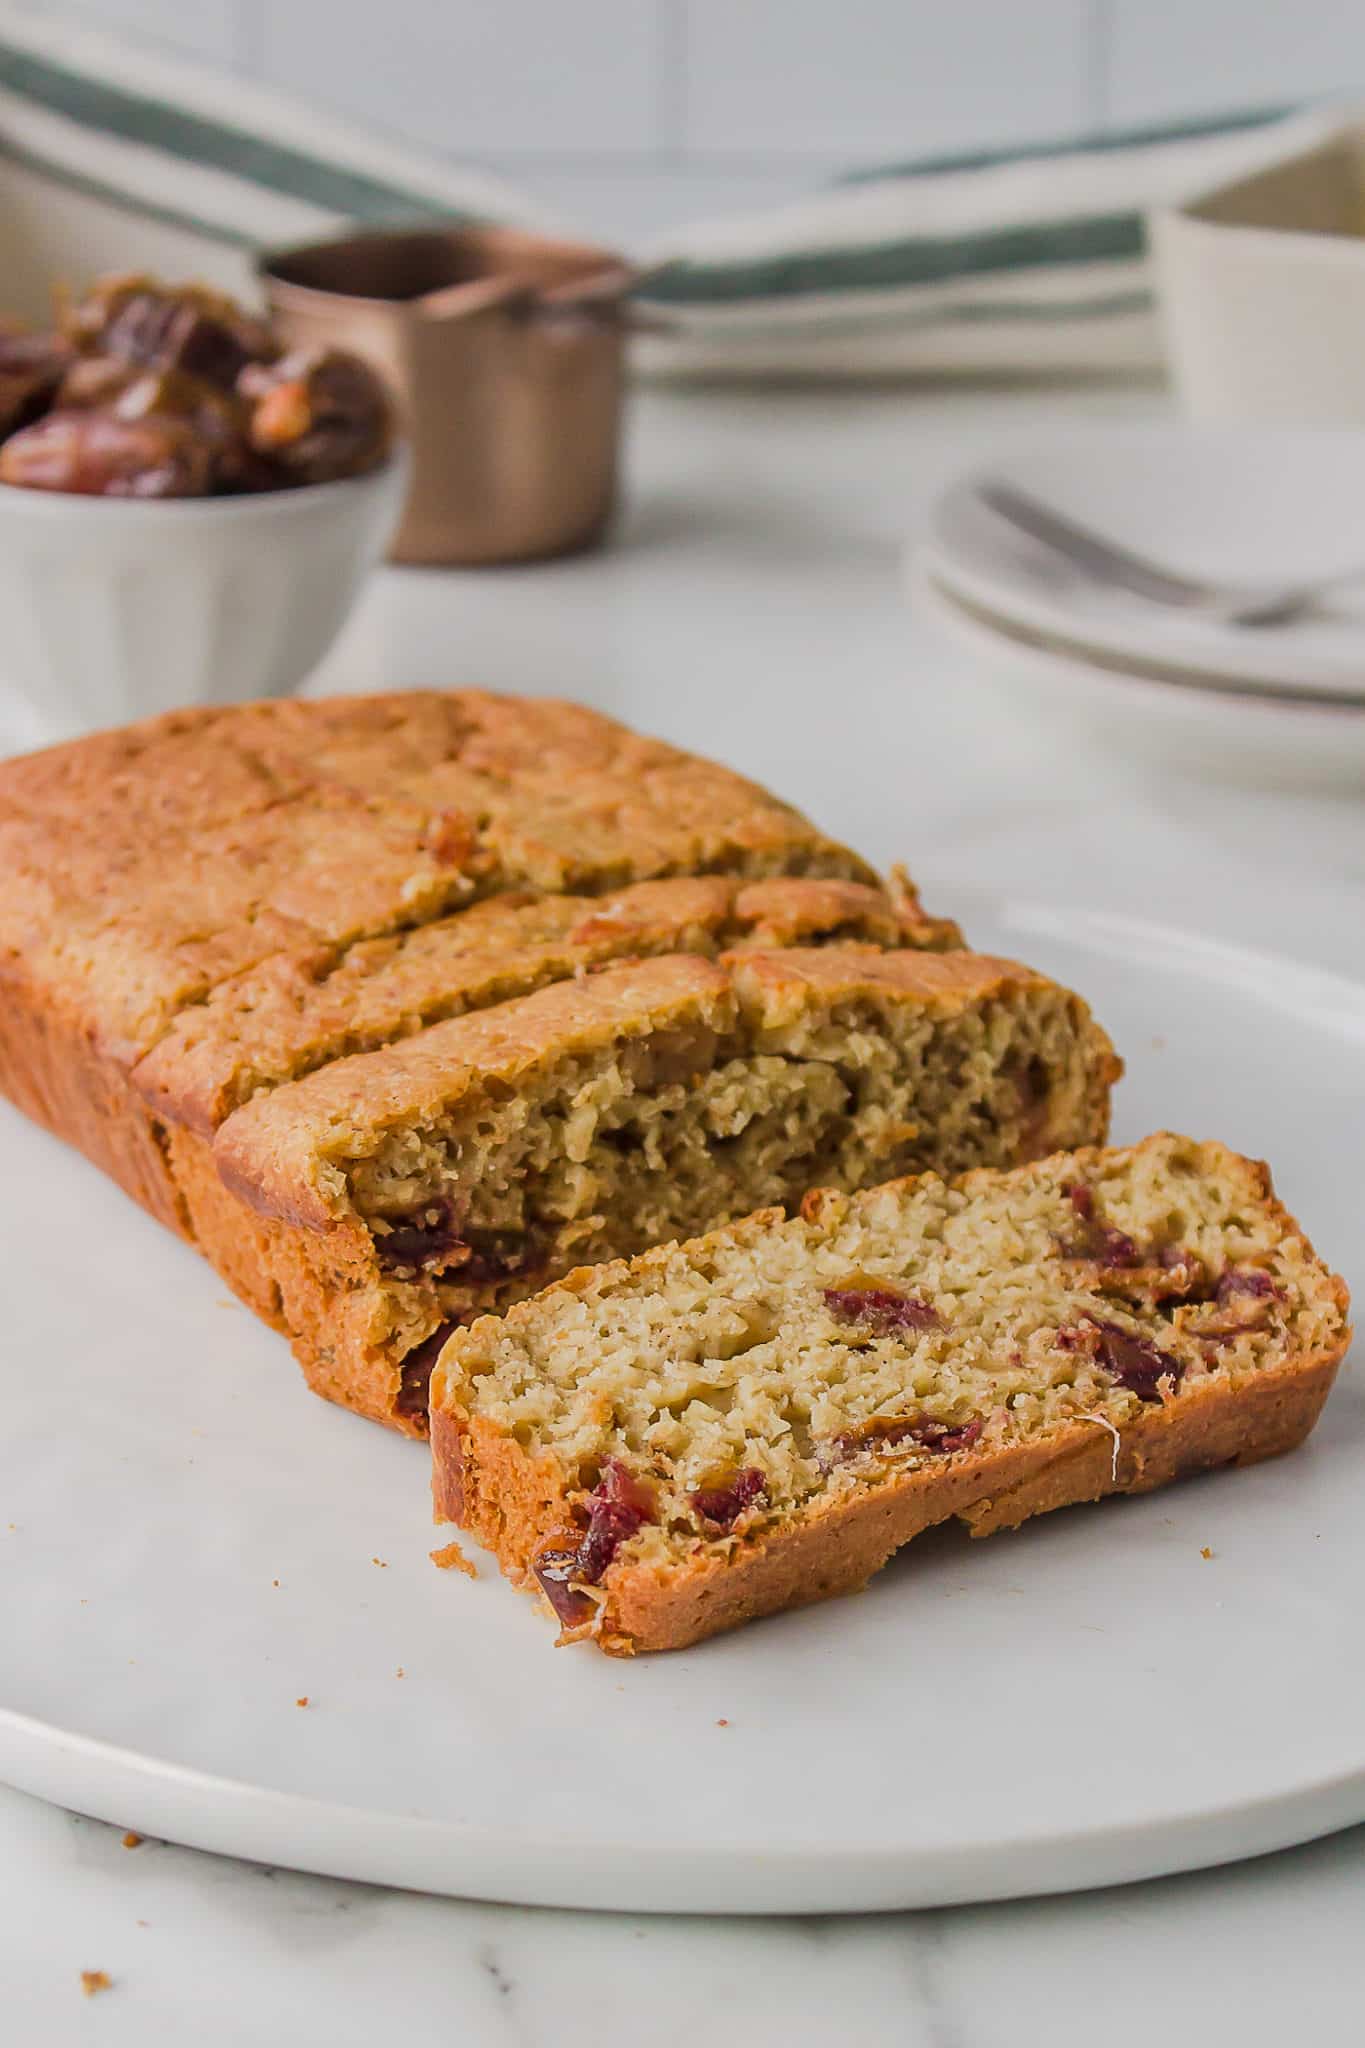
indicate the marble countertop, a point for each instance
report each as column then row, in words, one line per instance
column 752, row 605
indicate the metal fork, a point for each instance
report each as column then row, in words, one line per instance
column 1228, row 604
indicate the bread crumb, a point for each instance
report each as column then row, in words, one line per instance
column 450, row 1558
column 400, row 1672
column 274, row 1582
column 95, row 1980
column 1206, row 1552
column 132, row 1841
column 303, row 1700
column 381, row 1562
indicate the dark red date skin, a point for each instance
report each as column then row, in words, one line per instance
column 1135, row 1362
column 170, row 328
column 620, row 1503
column 880, row 1309
column 725, row 1503
column 941, row 1438
column 94, row 455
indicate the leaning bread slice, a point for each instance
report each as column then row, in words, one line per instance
column 411, row 1188
column 759, row 1418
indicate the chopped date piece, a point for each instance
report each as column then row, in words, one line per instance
column 618, row 1505
column 415, row 1377
column 1187, row 1276
column 881, row 1309
column 318, row 414
column 1135, row 1362
column 95, row 455
column 627, row 1489
column 726, row 1502
column 556, row 1572
column 610, row 1524
column 946, row 1436
column 1247, row 1280
column 424, row 1242
column 883, row 1432
column 1097, row 1242
column 1243, row 1300
column 502, row 1255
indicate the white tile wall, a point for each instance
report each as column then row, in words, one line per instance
column 759, row 92
column 469, row 76
column 1184, row 56
column 872, row 80
column 209, row 29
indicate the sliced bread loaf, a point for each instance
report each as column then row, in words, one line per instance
column 412, row 1187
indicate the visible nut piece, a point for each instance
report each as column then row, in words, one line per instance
column 319, row 414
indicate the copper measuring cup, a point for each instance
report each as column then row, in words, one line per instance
column 506, row 353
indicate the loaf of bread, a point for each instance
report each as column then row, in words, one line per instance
column 761, row 1417
column 142, row 870
column 218, row 903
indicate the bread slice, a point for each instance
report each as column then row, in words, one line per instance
column 761, row 1417
column 409, row 1189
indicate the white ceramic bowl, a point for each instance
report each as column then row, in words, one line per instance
column 114, row 609
column 1261, row 282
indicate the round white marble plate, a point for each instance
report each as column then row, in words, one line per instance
column 192, row 1546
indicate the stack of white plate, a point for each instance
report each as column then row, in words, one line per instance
column 1283, row 703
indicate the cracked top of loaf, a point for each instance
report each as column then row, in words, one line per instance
column 295, row 1011
column 285, row 1152
column 142, row 869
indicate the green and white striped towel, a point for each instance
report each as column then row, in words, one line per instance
column 1018, row 261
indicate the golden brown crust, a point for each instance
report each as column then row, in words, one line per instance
column 143, row 867
column 296, row 1011
column 318, row 1288
column 52, row 1072
column 517, row 1504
